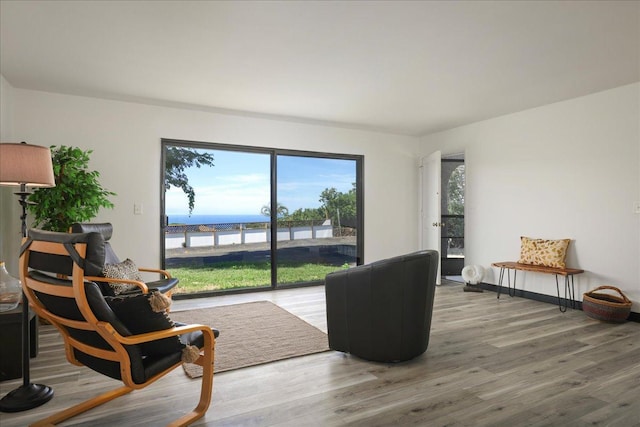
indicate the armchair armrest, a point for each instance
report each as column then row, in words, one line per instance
column 165, row 273
column 156, row 335
column 143, row 287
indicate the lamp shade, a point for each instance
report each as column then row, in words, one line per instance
column 26, row 164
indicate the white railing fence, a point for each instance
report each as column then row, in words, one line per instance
column 199, row 235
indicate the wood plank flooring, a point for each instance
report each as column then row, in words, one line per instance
column 507, row 362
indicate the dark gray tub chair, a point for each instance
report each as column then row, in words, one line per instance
column 382, row 311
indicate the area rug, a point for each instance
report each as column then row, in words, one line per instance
column 252, row 334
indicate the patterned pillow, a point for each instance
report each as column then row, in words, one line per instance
column 548, row 253
column 126, row 269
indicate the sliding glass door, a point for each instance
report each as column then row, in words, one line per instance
column 242, row 218
column 318, row 225
column 214, row 234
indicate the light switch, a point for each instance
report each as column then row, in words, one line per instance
column 137, row 208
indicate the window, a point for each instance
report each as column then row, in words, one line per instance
column 220, row 230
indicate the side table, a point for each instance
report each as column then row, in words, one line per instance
column 11, row 339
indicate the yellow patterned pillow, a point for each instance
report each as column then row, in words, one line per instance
column 549, row 253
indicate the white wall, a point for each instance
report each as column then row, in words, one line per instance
column 570, row 169
column 9, row 207
column 6, row 110
column 125, row 139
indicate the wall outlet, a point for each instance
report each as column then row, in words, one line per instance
column 137, row 208
column 636, row 207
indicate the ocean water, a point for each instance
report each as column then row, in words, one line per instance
column 216, row 219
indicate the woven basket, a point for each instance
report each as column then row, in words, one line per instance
column 606, row 307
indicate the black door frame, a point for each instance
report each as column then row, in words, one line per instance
column 273, row 152
column 449, row 266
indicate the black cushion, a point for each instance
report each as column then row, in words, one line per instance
column 58, row 264
column 135, row 312
column 106, row 230
column 161, row 354
column 67, row 308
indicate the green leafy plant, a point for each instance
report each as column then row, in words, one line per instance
column 177, row 160
column 77, row 196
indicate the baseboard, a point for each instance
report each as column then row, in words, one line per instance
column 633, row 316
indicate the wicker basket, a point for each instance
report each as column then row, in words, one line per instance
column 607, row 307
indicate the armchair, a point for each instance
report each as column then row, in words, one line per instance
column 382, row 311
column 57, row 270
column 164, row 285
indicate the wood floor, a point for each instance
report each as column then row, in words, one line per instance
column 507, row 362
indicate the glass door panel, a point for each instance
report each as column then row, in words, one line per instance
column 452, row 238
column 216, row 230
column 317, row 217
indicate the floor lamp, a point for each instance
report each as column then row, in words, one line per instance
column 25, row 165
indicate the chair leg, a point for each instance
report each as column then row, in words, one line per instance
column 206, row 391
column 206, row 388
column 83, row 407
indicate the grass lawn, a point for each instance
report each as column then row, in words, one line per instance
column 231, row 275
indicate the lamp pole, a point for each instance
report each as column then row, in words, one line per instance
column 29, row 395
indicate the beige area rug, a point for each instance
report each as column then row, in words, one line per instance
column 252, row 334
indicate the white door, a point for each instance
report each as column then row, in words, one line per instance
column 430, row 222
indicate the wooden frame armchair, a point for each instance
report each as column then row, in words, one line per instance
column 94, row 335
column 164, row 285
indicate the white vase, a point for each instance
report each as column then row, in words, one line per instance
column 10, row 290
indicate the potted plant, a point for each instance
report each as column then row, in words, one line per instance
column 77, row 196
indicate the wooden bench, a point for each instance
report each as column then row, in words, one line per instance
column 568, row 273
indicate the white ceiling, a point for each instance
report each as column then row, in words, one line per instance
column 403, row 67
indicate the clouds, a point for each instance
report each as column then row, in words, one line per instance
column 305, row 191
column 232, row 194
column 239, row 183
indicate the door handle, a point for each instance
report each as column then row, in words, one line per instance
column 438, row 224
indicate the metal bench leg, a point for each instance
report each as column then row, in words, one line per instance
column 558, row 289
column 501, row 278
column 569, row 294
column 572, row 291
column 512, row 293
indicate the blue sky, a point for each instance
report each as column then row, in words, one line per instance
column 238, row 183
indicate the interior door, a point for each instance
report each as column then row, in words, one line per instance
column 430, row 222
